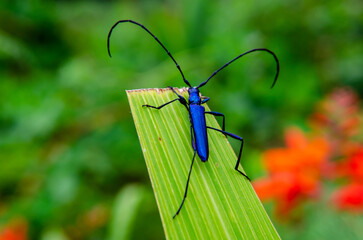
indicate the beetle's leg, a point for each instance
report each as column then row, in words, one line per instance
column 191, row 133
column 206, row 99
column 240, row 151
column 193, row 141
column 146, row 105
column 186, row 188
column 219, row 115
column 172, row 89
column 181, row 99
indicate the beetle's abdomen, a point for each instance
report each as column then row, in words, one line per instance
column 200, row 131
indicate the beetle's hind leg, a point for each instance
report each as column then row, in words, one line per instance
column 186, row 188
column 240, row 151
column 190, row 170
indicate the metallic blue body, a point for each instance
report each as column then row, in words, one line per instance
column 197, row 117
column 200, row 131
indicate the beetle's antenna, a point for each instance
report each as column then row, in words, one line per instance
column 130, row 21
column 253, row 50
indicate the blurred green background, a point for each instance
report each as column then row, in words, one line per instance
column 71, row 166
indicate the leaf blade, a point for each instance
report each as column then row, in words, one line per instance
column 221, row 204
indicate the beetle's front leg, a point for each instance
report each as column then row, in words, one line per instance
column 180, row 98
column 161, row 106
column 205, row 99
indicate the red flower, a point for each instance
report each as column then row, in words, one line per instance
column 351, row 166
column 15, row 230
column 354, row 166
column 349, row 197
column 287, row 189
column 295, row 172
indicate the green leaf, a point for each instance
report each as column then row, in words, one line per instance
column 221, row 203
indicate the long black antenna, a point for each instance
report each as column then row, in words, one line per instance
column 253, row 50
column 130, row 21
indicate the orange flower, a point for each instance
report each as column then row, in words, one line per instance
column 301, row 154
column 294, row 172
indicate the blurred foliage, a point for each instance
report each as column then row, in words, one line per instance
column 67, row 141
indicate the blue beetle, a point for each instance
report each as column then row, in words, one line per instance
column 195, row 109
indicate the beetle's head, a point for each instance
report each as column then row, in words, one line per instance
column 194, row 95
column 193, row 90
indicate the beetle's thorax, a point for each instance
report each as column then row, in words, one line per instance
column 194, row 96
